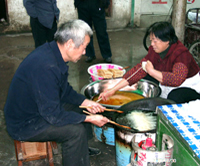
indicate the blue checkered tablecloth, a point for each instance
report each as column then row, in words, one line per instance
column 182, row 118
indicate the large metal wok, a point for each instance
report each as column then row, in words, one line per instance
column 146, row 88
column 147, row 105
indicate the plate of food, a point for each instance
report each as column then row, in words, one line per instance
column 105, row 71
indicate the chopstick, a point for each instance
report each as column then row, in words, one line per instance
column 124, row 67
column 127, row 127
column 134, row 73
column 112, row 122
column 99, row 100
column 105, row 109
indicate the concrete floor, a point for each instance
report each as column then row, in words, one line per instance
column 127, row 50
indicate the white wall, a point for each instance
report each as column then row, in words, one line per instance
column 145, row 12
column 19, row 20
column 121, row 14
column 155, row 10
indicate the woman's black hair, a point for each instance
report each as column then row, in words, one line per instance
column 164, row 31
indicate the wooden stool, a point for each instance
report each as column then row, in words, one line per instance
column 29, row 151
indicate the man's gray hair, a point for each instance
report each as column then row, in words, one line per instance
column 75, row 30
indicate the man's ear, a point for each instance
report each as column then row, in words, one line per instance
column 69, row 44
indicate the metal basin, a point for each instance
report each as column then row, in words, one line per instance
column 146, row 88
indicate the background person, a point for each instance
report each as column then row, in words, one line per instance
column 169, row 62
column 43, row 19
column 41, row 104
column 93, row 13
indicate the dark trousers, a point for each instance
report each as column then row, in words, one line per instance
column 90, row 12
column 183, row 95
column 73, row 139
column 41, row 34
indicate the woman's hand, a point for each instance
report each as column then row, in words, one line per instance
column 110, row 92
column 153, row 72
column 149, row 67
column 106, row 94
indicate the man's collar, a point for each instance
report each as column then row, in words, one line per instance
column 61, row 63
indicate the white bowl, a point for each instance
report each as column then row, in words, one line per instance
column 92, row 70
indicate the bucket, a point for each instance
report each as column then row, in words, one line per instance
column 105, row 134
column 123, row 145
column 141, row 157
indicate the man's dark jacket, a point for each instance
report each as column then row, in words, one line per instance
column 37, row 93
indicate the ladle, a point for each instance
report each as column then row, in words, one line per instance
column 109, row 121
column 104, row 109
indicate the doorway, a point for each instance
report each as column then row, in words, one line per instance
column 3, row 12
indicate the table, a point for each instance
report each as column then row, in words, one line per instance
column 175, row 120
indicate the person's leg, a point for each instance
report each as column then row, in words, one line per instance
column 88, row 126
column 73, row 140
column 183, row 95
column 52, row 31
column 100, row 26
column 38, row 31
column 84, row 14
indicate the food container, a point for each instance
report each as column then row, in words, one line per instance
column 105, row 134
column 146, row 88
column 92, row 70
column 152, row 155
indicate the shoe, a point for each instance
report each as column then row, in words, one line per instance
column 90, row 59
column 108, row 60
column 94, row 151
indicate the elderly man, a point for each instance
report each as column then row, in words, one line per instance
column 42, row 106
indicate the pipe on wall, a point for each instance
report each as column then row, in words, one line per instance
column 132, row 13
column 178, row 18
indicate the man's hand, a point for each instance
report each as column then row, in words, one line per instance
column 93, row 107
column 97, row 120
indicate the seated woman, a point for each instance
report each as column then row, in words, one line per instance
column 169, row 62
